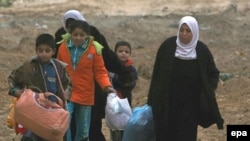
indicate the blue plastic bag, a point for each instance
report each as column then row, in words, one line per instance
column 140, row 126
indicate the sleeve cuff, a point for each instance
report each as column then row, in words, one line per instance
column 13, row 90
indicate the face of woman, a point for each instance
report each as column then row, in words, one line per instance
column 185, row 34
column 68, row 23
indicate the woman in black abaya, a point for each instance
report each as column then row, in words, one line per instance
column 183, row 84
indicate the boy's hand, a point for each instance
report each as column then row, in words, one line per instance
column 111, row 75
column 67, row 94
column 18, row 93
column 109, row 90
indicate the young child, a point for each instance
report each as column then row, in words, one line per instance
column 111, row 63
column 86, row 66
column 40, row 72
column 125, row 81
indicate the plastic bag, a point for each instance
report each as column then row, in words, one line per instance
column 11, row 123
column 140, row 126
column 117, row 112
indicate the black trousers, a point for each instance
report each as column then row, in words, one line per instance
column 95, row 131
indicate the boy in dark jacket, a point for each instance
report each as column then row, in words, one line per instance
column 123, row 82
column 40, row 73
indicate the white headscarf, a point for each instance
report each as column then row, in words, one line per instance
column 187, row 51
column 74, row 14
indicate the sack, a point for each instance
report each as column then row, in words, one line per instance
column 140, row 126
column 10, row 118
column 49, row 121
column 117, row 112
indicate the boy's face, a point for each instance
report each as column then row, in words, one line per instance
column 78, row 36
column 44, row 53
column 123, row 53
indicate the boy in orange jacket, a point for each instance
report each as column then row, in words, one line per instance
column 85, row 65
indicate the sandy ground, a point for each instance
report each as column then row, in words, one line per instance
column 224, row 27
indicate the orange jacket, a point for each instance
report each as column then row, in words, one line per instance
column 89, row 68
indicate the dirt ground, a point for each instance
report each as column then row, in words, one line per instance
column 224, row 27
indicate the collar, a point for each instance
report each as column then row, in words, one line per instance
column 129, row 62
column 84, row 45
column 36, row 59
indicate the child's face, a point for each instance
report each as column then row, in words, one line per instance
column 78, row 36
column 123, row 53
column 44, row 53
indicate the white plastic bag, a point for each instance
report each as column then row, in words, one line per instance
column 117, row 112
